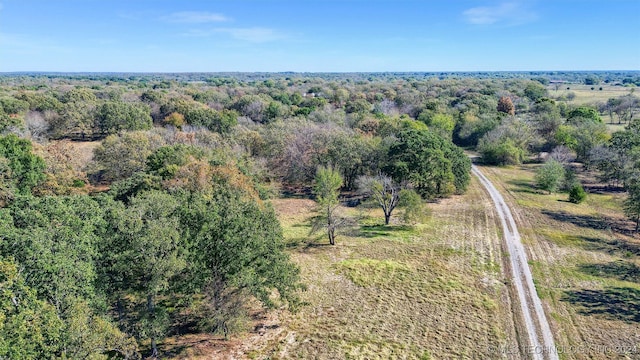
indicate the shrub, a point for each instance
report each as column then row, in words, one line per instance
column 501, row 153
column 550, row 175
column 577, row 194
column 414, row 209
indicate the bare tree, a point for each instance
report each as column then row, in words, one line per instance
column 626, row 108
column 562, row 154
column 37, row 125
column 382, row 190
column 387, row 107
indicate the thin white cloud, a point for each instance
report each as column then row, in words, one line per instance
column 195, row 17
column 253, row 34
column 250, row 34
column 508, row 13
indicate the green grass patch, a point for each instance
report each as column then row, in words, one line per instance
column 561, row 238
column 369, row 272
column 396, row 232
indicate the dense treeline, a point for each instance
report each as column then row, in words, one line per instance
column 166, row 225
column 586, row 77
column 188, row 233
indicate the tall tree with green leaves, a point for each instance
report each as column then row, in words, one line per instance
column 152, row 253
column 29, row 327
column 120, row 156
column 54, row 239
column 327, row 189
column 22, row 169
column 237, row 251
column 114, row 116
column 535, row 91
column 433, row 165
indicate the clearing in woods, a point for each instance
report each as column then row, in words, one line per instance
column 436, row 290
column 439, row 289
column 584, row 94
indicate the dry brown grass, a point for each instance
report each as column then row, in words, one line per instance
column 84, row 150
column 436, row 290
column 584, row 94
column 586, row 265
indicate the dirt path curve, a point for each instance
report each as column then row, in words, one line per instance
column 541, row 345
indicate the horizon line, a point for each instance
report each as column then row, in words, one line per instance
column 312, row 72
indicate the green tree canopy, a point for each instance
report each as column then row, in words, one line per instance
column 54, row 239
column 535, row 91
column 120, row 156
column 584, row 112
column 218, row 121
column 22, row 168
column 433, row 165
column 29, row 327
column 115, row 116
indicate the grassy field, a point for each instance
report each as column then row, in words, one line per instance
column 431, row 291
column 584, row 94
column 586, row 265
column 438, row 290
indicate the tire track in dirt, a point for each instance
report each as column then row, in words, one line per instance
column 541, row 344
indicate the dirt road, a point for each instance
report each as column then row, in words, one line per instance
column 540, row 339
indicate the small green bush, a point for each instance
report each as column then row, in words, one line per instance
column 577, row 194
column 550, row 176
column 413, row 205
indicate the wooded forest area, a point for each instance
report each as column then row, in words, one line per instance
column 137, row 206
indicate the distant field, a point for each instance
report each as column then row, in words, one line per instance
column 585, row 263
column 584, row 94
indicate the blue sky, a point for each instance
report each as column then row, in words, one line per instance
column 317, row 35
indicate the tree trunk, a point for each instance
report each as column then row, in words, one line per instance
column 151, row 310
column 120, row 309
column 332, row 237
column 386, row 218
column 154, row 347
